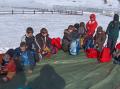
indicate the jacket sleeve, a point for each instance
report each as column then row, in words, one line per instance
column 68, row 37
column 23, row 39
column 37, row 45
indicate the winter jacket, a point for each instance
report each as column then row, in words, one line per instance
column 30, row 41
column 75, row 35
column 11, row 67
column 91, row 27
column 100, row 37
column 42, row 41
column 67, row 38
column 27, row 57
column 113, row 30
column 82, row 31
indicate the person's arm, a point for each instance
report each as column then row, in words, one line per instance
column 23, row 38
column 103, row 38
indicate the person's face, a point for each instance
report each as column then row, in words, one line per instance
column 6, row 57
column 70, row 30
column 30, row 34
column 23, row 48
column 44, row 34
column 92, row 19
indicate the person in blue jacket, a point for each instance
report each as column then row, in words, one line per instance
column 27, row 60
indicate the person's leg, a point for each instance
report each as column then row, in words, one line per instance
column 109, row 44
column 114, row 41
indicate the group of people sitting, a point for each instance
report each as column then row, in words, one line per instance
column 79, row 36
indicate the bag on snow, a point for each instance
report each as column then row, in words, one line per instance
column 92, row 53
column 105, row 55
column 56, row 42
column 74, row 47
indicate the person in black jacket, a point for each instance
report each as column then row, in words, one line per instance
column 29, row 39
column 113, row 32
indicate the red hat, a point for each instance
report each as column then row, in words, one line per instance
column 92, row 16
column 118, row 46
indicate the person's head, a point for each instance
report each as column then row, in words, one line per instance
column 82, row 24
column 44, row 32
column 23, row 46
column 92, row 17
column 8, row 55
column 77, row 25
column 71, row 28
column 99, row 29
column 29, row 31
column 116, row 18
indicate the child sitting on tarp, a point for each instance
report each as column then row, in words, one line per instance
column 29, row 38
column 116, row 54
column 67, row 38
column 75, row 42
column 8, row 67
column 43, row 43
column 27, row 58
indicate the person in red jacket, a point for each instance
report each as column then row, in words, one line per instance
column 91, row 25
column 8, row 66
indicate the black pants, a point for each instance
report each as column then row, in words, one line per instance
column 111, row 44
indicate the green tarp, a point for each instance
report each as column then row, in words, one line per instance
column 64, row 71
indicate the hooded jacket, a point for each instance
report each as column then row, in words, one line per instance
column 41, row 41
column 113, row 28
column 67, row 38
column 100, row 36
column 91, row 25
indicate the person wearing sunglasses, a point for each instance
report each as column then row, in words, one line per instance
column 43, row 42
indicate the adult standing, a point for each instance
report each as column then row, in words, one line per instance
column 91, row 25
column 113, row 32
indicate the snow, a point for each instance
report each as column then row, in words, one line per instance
column 49, row 3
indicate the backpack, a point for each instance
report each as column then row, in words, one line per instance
column 74, row 47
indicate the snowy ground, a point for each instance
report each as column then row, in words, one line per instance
column 50, row 3
column 14, row 26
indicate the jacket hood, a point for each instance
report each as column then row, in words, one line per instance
column 116, row 17
column 93, row 16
